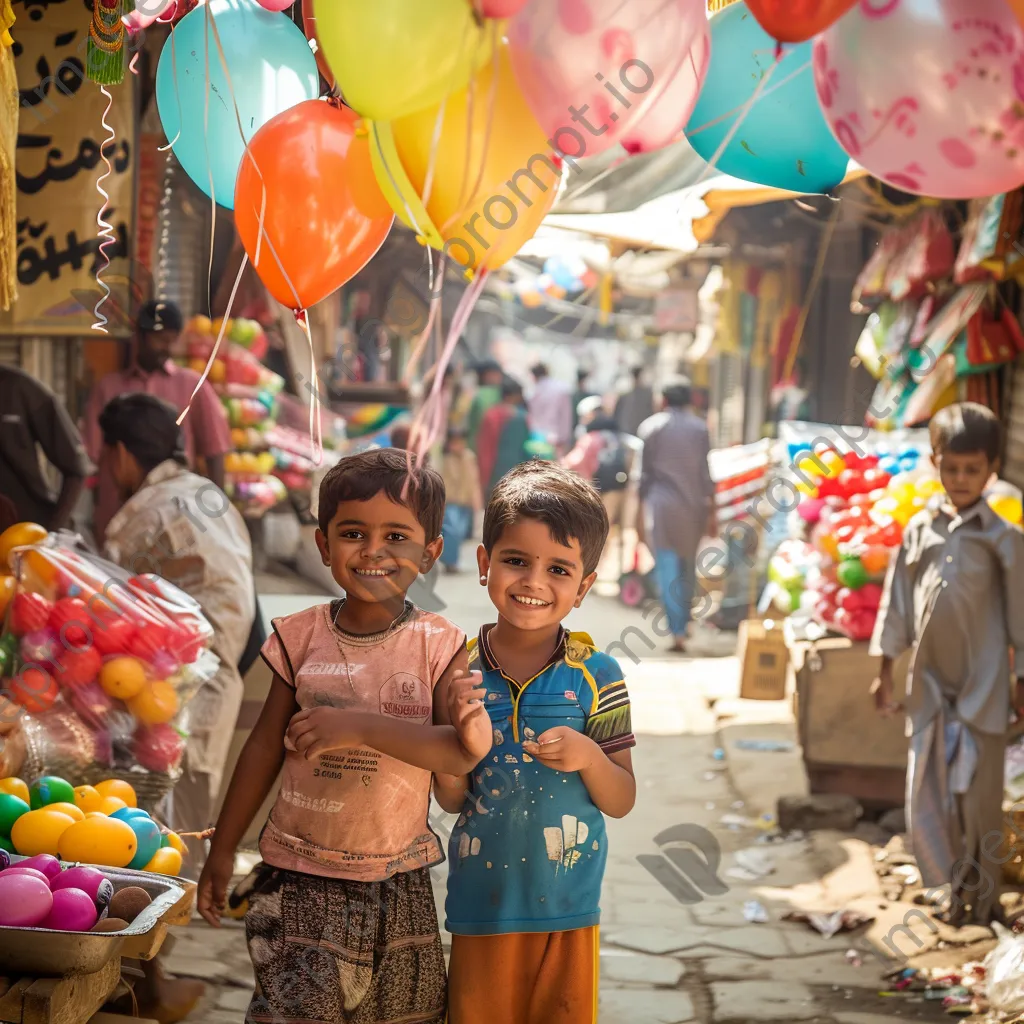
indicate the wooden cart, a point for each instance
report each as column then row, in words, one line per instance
column 77, row 996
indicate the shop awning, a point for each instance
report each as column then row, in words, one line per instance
column 680, row 220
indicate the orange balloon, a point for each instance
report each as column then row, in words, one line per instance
column 325, row 218
column 796, row 21
column 7, row 585
column 494, row 176
column 309, row 28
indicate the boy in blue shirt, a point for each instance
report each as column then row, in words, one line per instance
column 527, row 855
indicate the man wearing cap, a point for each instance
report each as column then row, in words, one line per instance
column 206, row 431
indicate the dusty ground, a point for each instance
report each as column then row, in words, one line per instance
column 664, row 962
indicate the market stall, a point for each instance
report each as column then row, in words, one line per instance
column 97, row 668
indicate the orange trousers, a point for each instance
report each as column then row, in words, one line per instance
column 535, row 978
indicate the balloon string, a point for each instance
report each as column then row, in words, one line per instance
column 395, row 186
column 435, row 145
column 420, row 344
column 315, row 416
column 220, row 337
column 425, row 427
column 735, row 110
column 247, row 155
column 209, row 163
column 106, row 229
column 177, row 96
column 464, row 200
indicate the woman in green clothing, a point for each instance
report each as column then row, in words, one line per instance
column 489, row 377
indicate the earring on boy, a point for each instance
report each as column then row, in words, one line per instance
column 483, row 579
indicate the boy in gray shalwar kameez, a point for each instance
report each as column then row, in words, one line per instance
column 955, row 594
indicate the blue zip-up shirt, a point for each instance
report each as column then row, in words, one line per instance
column 529, row 850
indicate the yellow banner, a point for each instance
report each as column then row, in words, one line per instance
column 58, row 165
column 714, row 6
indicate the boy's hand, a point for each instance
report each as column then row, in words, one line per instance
column 468, row 715
column 1018, row 698
column 564, row 749
column 213, row 886
column 317, row 730
column 881, row 689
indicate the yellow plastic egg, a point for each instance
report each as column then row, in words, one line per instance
column 40, row 831
column 122, row 678
column 109, row 804
column 118, row 788
column 87, row 798
column 166, row 861
column 16, row 788
column 71, row 810
column 105, row 841
column 176, row 842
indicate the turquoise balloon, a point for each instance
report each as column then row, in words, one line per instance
column 147, row 832
column 127, row 813
column 272, row 69
column 783, row 141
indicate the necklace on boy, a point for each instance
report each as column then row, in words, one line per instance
column 371, row 638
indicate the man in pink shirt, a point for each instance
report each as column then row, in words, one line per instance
column 152, row 372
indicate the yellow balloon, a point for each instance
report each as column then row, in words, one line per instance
column 392, row 59
column 494, row 178
column 809, row 489
column 834, row 464
column 810, row 468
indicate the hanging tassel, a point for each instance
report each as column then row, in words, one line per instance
column 105, row 55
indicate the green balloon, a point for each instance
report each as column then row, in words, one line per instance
column 851, row 573
column 6, row 844
column 51, row 790
column 11, row 809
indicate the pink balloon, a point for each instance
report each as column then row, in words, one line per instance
column 275, row 5
column 593, row 70
column 665, row 120
column 500, row 8
column 927, row 95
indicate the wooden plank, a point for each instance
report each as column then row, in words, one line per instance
column 13, row 999
column 118, row 1018
column 70, row 1000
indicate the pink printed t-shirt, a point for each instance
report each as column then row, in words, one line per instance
column 356, row 814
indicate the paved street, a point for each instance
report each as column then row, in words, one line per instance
column 664, row 962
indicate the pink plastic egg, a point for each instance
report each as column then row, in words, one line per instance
column 17, row 869
column 72, row 911
column 44, row 863
column 25, row 901
column 90, row 880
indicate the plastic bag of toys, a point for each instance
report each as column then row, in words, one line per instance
column 99, row 665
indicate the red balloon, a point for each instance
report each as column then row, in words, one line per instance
column 29, row 612
column 796, row 21
column 325, row 216
column 71, row 621
column 34, row 689
column 79, row 668
column 309, row 27
column 500, row 8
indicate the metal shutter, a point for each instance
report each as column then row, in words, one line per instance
column 1013, row 463
column 10, row 352
column 182, row 240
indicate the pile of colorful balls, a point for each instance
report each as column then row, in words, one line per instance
column 853, row 512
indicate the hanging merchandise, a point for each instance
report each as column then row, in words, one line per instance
column 927, row 256
column 766, row 108
column 105, row 52
column 870, row 287
column 992, row 340
column 990, row 247
column 936, row 391
column 920, row 94
column 208, row 120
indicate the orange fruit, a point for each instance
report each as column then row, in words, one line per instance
column 122, row 678
column 156, row 704
column 109, row 804
column 119, row 789
column 19, row 535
